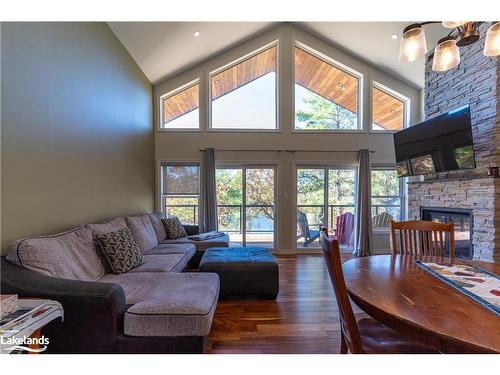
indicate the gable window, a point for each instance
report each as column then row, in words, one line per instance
column 243, row 96
column 181, row 191
column 180, row 109
column 387, row 197
column 326, row 96
column 388, row 110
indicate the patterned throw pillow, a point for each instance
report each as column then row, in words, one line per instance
column 174, row 228
column 121, row 250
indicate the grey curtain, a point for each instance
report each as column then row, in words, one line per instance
column 364, row 241
column 209, row 199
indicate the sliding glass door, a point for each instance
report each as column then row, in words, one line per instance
column 325, row 199
column 246, row 205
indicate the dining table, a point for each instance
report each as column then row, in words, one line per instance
column 399, row 293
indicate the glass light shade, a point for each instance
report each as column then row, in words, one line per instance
column 492, row 43
column 446, row 56
column 412, row 45
column 452, row 24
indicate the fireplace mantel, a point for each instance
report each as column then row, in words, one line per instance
column 450, row 179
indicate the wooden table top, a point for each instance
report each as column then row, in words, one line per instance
column 407, row 298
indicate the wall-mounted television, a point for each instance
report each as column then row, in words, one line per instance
column 443, row 143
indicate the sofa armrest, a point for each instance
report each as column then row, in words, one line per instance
column 93, row 311
column 192, row 229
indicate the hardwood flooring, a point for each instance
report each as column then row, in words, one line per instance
column 303, row 319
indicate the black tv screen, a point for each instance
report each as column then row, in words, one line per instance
column 441, row 144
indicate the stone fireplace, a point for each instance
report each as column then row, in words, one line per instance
column 476, row 82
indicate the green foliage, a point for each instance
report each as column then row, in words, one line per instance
column 385, row 183
column 259, row 192
column 310, row 185
column 229, row 186
column 322, row 114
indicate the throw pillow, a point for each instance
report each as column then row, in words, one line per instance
column 174, row 228
column 121, row 250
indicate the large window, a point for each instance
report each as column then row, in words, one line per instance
column 325, row 199
column 245, row 205
column 387, row 197
column 388, row 110
column 181, row 192
column 180, row 108
column 326, row 96
column 244, row 95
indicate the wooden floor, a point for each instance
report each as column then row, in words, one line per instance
column 303, row 319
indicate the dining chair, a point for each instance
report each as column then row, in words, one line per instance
column 366, row 335
column 422, row 237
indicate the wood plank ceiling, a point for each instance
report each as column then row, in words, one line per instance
column 326, row 80
column 311, row 72
column 245, row 72
column 388, row 111
column 181, row 103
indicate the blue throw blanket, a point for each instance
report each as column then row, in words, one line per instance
column 206, row 236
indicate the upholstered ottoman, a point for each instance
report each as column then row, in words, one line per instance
column 243, row 271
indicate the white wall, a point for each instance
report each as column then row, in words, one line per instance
column 184, row 146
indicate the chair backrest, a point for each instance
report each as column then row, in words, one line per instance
column 348, row 324
column 421, row 237
column 382, row 219
column 345, row 227
column 303, row 224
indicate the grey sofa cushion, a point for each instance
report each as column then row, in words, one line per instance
column 200, row 245
column 112, row 225
column 168, row 304
column 143, row 231
column 163, row 263
column 158, row 226
column 121, row 250
column 67, row 255
column 181, row 248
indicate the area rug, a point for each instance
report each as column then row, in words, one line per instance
column 480, row 285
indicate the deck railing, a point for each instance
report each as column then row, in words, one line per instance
column 231, row 215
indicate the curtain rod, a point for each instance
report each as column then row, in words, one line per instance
column 291, row 151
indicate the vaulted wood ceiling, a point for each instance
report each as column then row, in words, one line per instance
column 326, row 80
column 181, row 103
column 311, row 72
column 243, row 73
column 388, row 111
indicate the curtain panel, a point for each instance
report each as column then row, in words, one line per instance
column 209, row 199
column 364, row 241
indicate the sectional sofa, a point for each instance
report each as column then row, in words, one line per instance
column 153, row 308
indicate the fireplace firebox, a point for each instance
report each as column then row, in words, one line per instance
column 462, row 220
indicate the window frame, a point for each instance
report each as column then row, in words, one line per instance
column 396, row 95
column 338, row 65
column 402, row 194
column 196, row 81
column 163, row 197
column 254, row 52
column 308, row 164
column 261, row 164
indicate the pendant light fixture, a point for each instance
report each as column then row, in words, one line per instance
column 447, row 54
column 492, row 43
column 412, row 45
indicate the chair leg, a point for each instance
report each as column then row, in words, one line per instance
column 343, row 345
